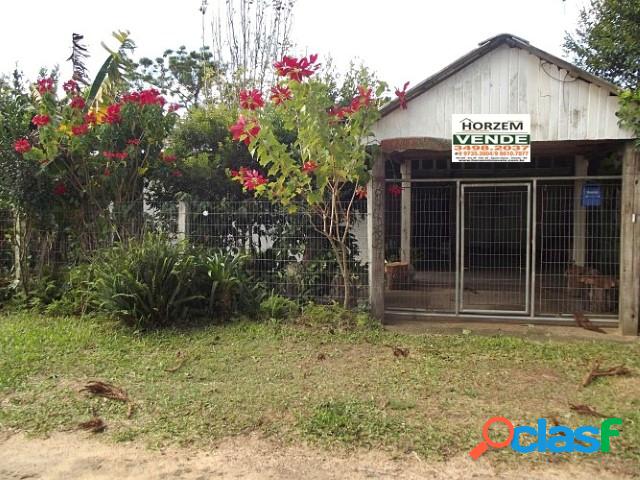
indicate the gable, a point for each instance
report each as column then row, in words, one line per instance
column 564, row 102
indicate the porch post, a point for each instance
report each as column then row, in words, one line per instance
column 579, row 213
column 405, row 212
column 375, row 236
column 629, row 306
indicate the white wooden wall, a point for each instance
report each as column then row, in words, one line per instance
column 511, row 80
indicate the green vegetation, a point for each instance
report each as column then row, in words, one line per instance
column 339, row 387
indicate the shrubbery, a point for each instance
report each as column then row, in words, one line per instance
column 155, row 282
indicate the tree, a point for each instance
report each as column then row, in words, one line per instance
column 607, row 41
column 98, row 145
column 326, row 166
column 184, row 75
column 247, row 36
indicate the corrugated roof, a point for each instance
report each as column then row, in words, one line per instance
column 487, row 46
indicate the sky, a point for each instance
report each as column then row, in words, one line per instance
column 401, row 40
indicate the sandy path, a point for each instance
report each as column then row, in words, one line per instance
column 78, row 456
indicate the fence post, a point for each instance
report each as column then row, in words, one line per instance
column 375, row 236
column 182, row 220
column 17, row 246
column 629, row 307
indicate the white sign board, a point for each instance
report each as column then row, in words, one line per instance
column 491, row 138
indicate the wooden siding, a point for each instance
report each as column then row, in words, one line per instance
column 511, row 80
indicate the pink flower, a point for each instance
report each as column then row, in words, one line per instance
column 151, row 96
column 91, row 118
column 176, row 173
column 77, row 103
column 402, row 96
column 81, row 129
column 340, row 112
column 363, row 99
column 394, row 190
column 174, row 107
column 280, row 93
column 107, row 172
column 245, row 131
column 308, row 167
column 251, row 99
column 45, row 85
column 59, row 189
column 361, row 192
column 253, row 179
column 113, row 114
column 133, row 141
column 40, row 120
column 71, row 86
column 22, row 145
column 296, row 69
column 169, row 158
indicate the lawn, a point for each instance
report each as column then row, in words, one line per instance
column 333, row 388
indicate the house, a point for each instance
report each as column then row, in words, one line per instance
column 538, row 234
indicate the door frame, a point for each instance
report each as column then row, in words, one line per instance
column 460, row 264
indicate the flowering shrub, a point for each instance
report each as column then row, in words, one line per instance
column 101, row 154
column 327, row 165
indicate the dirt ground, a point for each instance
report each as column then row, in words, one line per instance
column 80, row 456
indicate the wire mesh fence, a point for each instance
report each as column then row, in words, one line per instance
column 526, row 248
column 284, row 251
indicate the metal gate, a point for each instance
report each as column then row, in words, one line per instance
column 495, row 245
column 525, row 247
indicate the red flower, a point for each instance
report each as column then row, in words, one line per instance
column 310, row 166
column 340, row 112
column 45, row 85
column 363, row 99
column 113, row 113
column 91, row 118
column 133, row 141
column 251, row 99
column 402, row 96
column 253, row 179
column 77, row 102
column 361, row 192
column 71, row 86
column 59, row 189
column 280, row 93
column 115, row 155
column 81, row 129
column 169, row 158
column 296, row 69
column 22, row 145
column 174, row 107
column 150, row 96
column 40, row 120
column 107, row 172
column 176, row 173
column 245, row 131
column 394, row 190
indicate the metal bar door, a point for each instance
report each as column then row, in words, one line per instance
column 495, row 247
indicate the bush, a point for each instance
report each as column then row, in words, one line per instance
column 278, row 307
column 155, row 283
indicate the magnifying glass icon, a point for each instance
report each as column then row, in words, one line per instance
column 482, row 447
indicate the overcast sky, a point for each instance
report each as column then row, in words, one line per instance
column 400, row 39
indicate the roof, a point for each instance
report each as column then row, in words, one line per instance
column 487, row 46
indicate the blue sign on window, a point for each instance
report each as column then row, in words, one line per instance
column 591, row 195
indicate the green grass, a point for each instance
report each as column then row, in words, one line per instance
column 336, row 389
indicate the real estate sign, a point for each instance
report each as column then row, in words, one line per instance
column 491, row 138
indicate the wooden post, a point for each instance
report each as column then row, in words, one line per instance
column 629, row 306
column 182, row 220
column 579, row 213
column 375, row 237
column 405, row 213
